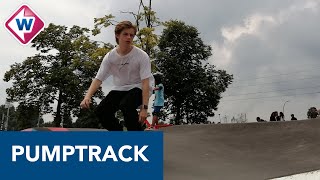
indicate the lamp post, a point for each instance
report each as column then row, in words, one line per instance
column 7, row 121
column 2, row 122
column 283, row 108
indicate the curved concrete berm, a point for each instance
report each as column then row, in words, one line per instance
column 62, row 129
column 241, row 151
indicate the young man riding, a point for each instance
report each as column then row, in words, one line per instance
column 131, row 70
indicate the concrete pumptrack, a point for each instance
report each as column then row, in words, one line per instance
column 264, row 150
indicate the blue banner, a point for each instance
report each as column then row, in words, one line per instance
column 81, row 155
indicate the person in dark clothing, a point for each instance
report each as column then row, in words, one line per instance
column 293, row 118
column 273, row 116
column 260, row 120
column 281, row 116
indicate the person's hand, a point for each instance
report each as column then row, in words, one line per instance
column 85, row 104
column 143, row 115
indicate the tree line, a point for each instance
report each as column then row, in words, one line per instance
column 68, row 58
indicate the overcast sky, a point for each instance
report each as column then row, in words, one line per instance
column 271, row 47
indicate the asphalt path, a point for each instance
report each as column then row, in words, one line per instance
column 263, row 150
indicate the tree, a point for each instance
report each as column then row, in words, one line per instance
column 27, row 116
column 87, row 119
column 61, row 72
column 147, row 39
column 193, row 87
column 312, row 112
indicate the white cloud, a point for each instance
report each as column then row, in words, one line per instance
column 268, row 54
column 251, row 27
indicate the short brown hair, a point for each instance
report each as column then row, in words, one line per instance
column 123, row 25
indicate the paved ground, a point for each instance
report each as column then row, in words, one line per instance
column 241, row 151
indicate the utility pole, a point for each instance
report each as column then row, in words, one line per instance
column 148, row 49
column 149, row 15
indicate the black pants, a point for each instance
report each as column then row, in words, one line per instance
column 127, row 102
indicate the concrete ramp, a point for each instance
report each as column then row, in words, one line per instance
column 61, row 129
column 248, row 151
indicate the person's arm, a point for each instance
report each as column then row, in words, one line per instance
column 92, row 89
column 145, row 100
column 103, row 73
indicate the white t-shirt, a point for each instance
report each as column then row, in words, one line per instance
column 127, row 70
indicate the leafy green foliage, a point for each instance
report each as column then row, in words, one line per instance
column 192, row 85
column 68, row 60
column 60, row 73
column 27, row 116
column 312, row 112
